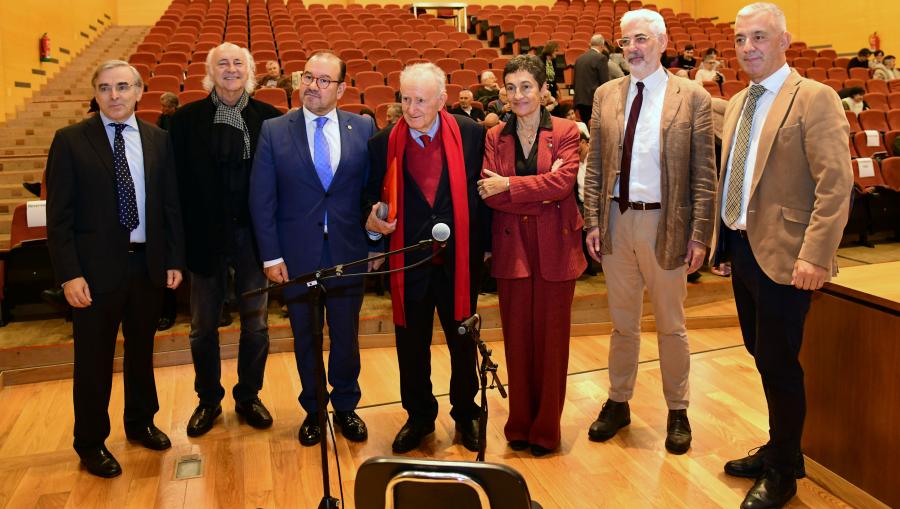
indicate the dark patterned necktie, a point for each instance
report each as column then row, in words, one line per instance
column 128, row 212
column 627, row 144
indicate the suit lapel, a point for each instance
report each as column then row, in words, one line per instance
column 620, row 109
column 506, row 151
column 544, row 150
column 297, row 130
column 775, row 118
column 95, row 132
column 346, row 131
column 148, row 153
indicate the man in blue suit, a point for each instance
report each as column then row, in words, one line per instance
column 305, row 193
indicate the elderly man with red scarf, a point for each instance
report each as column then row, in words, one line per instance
column 426, row 167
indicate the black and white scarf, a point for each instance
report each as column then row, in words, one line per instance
column 231, row 115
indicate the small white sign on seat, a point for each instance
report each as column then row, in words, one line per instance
column 866, row 167
column 36, row 213
column 873, row 138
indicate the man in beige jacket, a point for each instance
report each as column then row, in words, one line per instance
column 649, row 193
column 781, row 208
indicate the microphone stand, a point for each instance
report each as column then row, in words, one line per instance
column 316, row 290
column 487, row 366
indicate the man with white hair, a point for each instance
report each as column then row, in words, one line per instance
column 425, row 167
column 115, row 240
column 214, row 141
column 780, row 213
column 591, row 71
column 489, row 88
column 648, row 214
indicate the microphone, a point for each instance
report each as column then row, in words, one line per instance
column 440, row 232
column 382, row 211
column 469, row 324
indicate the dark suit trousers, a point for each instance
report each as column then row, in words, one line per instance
column 536, row 316
column 772, row 317
column 341, row 301
column 414, row 354
column 136, row 304
column 585, row 113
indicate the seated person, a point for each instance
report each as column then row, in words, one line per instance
column 466, row 108
column 394, row 112
column 489, row 88
column 852, row 99
column 501, row 106
column 274, row 79
column 686, row 59
column 708, row 70
column 169, row 104
column 886, row 70
column 861, row 60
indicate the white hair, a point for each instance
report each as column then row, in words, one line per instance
column 425, row 71
column 112, row 64
column 652, row 18
column 208, row 81
column 485, row 74
column 772, row 9
column 598, row 41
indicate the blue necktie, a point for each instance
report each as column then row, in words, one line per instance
column 322, row 154
column 128, row 212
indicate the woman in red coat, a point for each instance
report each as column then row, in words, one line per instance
column 530, row 164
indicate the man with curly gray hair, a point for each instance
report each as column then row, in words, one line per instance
column 214, row 141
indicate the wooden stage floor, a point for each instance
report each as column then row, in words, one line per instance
column 246, row 468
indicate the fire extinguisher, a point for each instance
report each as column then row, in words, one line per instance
column 874, row 42
column 45, row 48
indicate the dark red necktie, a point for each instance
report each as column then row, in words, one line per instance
column 425, row 139
column 625, row 174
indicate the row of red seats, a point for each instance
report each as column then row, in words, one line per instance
column 875, row 120
column 873, row 143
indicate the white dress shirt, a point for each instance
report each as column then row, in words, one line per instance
column 332, row 131
column 773, row 85
column 134, row 152
column 644, row 183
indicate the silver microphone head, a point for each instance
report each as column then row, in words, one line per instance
column 382, row 211
column 440, row 232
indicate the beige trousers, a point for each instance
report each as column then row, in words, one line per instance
column 631, row 267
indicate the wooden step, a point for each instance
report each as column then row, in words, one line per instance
column 22, row 164
column 24, row 151
column 17, row 177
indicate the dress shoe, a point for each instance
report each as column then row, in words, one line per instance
column 519, row 445
column 752, row 466
column 225, row 320
column 202, row 420
column 310, row 432
column 100, row 462
column 165, row 323
column 613, row 416
column 410, row 436
column 150, row 437
column 351, row 425
column 771, row 490
column 469, row 433
column 678, row 432
column 537, row 450
column 254, row 412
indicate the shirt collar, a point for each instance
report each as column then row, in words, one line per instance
column 311, row 117
column 431, row 131
column 658, row 78
column 546, row 122
column 130, row 121
column 775, row 81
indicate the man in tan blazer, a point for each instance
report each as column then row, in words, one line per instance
column 649, row 193
column 781, row 208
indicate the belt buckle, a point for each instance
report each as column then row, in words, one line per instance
column 638, row 205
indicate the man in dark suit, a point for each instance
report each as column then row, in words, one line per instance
column 591, row 71
column 214, row 141
column 305, row 190
column 435, row 161
column 115, row 239
column 465, row 107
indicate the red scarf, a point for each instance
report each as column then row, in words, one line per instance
column 392, row 193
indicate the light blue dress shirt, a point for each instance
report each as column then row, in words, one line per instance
column 134, row 152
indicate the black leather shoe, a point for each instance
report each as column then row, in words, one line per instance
column 410, row 436
column 678, row 432
column 752, row 466
column 202, row 420
column 255, row 413
column 519, row 445
column 468, row 431
column 537, row 451
column 770, row 490
column 150, row 437
column 351, row 425
column 310, row 432
column 100, row 462
column 165, row 323
column 613, row 417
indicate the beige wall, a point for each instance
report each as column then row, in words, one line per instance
column 22, row 22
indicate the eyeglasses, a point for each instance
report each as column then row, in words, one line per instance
column 323, row 83
column 638, row 40
column 120, row 88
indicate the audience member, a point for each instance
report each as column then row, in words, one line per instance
column 548, row 56
column 708, row 70
column 568, row 113
column 490, row 120
column 394, row 112
column 371, row 114
column 501, row 106
column 214, row 140
column 413, row 149
column 852, row 99
column 886, row 70
column 306, row 216
column 114, row 244
column 273, row 78
column 686, row 59
column 465, row 107
column 618, row 67
column 489, row 88
column 861, row 60
column 591, row 71
column 169, row 104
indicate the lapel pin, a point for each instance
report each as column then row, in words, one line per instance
column 350, row 127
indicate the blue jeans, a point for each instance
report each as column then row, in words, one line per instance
column 207, row 298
